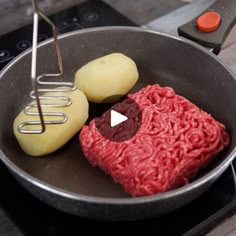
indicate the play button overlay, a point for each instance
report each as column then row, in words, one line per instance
column 121, row 122
column 117, row 118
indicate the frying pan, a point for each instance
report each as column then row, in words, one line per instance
column 65, row 179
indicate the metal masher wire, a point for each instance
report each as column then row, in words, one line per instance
column 38, row 93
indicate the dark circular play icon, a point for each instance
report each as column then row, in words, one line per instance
column 121, row 122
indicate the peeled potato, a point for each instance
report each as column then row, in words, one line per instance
column 108, row 77
column 56, row 135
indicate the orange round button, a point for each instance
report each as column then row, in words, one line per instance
column 208, row 21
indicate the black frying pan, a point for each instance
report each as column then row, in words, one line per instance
column 65, row 179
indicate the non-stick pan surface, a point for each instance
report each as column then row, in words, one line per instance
column 65, row 179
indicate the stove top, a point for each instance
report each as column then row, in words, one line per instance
column 86, row 15
column 23, row 214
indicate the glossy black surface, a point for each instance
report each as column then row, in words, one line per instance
column 33, row 217
column 86, row 15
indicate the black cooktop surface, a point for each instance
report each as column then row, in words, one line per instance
column 23, row 214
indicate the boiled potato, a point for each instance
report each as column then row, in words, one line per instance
column 107, row 77
column 55, row 136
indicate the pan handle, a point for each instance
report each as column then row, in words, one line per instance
column 212, row 27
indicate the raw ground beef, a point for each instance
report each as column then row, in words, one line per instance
column 176, row 139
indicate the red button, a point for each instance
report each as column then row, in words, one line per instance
column 209, row 21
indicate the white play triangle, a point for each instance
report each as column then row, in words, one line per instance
column 117, row 118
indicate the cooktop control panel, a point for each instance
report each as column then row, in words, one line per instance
column 85, row 15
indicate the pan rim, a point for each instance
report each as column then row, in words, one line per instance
column 217, row 171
